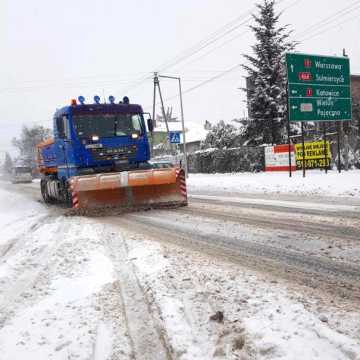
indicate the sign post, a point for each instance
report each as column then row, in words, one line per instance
column 318, row 89
column 182, row 122
column 288, row 132
column 338, row 128
column 324, row 138
column 303, row 149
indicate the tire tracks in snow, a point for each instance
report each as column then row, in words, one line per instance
column 147, row 335
column 338, row 278
column 11, row 293
column 315, row 228
column 295, row 205
column 11, row 243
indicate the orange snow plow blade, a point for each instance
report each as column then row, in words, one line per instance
column 130, row 189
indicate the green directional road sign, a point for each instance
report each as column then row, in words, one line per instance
column 318, row 88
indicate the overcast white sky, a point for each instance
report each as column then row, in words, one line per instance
column 54, row 51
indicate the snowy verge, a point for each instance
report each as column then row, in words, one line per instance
column 316, row 182
column 14, row 206
column 17, row 216
column 55, row 282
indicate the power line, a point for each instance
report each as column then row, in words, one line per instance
column 189, row 52
column 204, row 41
column 333, row 17
column 296, row 2
column 170, row 65
column 123, row 78
column 237, row 36
column 207, row 81
column 50, row 84
column 209, row 40
column 246, row 17
column 83, row 85
column 331, row 28
column 211, row 79
column 213, row 49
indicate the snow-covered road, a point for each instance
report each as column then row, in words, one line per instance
column 243, row 276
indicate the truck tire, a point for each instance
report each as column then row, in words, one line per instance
column 44, row 192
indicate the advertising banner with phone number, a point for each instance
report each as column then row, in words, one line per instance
column 314, row 155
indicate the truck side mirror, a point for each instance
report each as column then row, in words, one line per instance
column 150, row 125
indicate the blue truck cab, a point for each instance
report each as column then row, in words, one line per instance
column 94, row 138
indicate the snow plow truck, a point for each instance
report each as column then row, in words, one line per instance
column 99, row 157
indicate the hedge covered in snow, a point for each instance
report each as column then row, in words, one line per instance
column 227, row 160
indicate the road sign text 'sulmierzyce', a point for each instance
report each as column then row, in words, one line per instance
column 318, row 88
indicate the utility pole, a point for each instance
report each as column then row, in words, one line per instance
column 157, row 84
column 182, row 121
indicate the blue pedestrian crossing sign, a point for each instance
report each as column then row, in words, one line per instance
column 174, row 137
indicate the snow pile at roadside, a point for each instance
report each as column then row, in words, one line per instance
column 17, row 215
column 55, row 279
column 315, row 183
column 15, row 206
column 261, row 318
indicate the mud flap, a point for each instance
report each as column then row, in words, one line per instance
column 130, row 189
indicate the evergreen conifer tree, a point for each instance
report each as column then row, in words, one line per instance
column 266, row 71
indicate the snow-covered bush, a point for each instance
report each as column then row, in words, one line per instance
column 222, row 136
column 241, row 159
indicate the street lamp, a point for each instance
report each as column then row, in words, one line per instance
column 182, row 120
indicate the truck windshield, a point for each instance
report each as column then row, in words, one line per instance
column 107, row 125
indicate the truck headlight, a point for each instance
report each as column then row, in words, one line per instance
column 135, row 136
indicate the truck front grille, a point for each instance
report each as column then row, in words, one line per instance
column 118, row 153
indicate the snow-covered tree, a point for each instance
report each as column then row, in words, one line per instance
column 266, row 71
column 8, row 163
column 222, row 136
column 29, row 138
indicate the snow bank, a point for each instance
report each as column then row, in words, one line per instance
column 53, row 272
column 16, row 206
column 315, row 183
column 62, row 324
column 17, row 214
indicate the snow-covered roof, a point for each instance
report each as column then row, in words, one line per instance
column 193, row 131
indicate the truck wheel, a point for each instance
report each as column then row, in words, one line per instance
column 44, row 191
